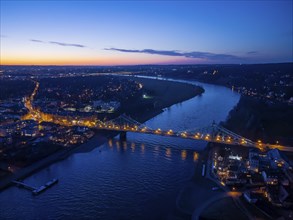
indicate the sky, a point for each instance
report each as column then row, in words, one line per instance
column 145, row 32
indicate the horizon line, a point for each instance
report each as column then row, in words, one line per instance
column 191, row 64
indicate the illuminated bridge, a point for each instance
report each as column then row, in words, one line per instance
column 213, row 133
column 122, row 124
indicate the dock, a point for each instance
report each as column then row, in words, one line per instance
column 24, row 185
column 36, row 190
column 45, row 187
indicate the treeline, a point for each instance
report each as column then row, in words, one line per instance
column 15, row 88
column 257, row 119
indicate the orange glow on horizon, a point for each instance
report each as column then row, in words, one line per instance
column 67, row 62
column 105, row 60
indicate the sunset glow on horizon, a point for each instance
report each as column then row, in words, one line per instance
column 102, row 60
column 133, row 33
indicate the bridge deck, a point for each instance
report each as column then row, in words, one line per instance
column 229, row 137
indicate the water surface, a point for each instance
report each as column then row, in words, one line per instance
column 138, row 179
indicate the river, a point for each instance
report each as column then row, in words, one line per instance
column 139, row 179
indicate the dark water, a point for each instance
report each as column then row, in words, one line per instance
column 139, row 179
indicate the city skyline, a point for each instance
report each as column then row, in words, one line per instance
column 133, row 33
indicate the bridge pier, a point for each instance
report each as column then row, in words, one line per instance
column 123, row 136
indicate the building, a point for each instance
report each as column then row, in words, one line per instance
column 253, row 160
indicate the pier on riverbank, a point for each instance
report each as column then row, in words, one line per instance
column 36, row 190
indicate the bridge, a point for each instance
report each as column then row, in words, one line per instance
column 213, row 133
column 122, row 124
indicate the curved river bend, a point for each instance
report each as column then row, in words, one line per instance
column 136, row 180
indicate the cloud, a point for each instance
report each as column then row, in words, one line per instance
column 58, row 43
column 37, row 41
column 194, row 54
column 67, row 44
column 149, row 51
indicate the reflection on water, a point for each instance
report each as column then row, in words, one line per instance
column 183, row 154
column 168, row 152
column 110, row 143
column 137, row 179
column 195, row 156
column 156, row 150
column 142, row 148
column 132, row 146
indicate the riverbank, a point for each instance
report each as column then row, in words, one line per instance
column 24, row 172
column 256, row 119
column 165, row 92
column 161, row 94
column 202, row 193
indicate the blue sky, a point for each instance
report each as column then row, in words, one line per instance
column 145, row 32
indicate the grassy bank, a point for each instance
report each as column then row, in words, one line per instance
column 159, row 94
column 167, row 93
